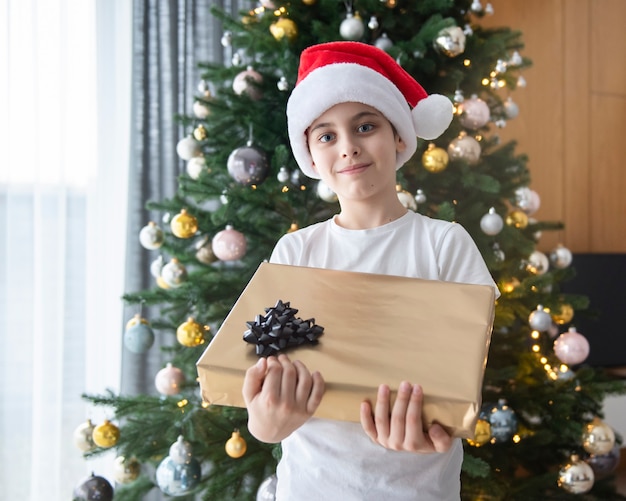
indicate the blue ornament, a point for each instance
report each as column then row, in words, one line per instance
column 176, row 479
column 139, row 338
column 503, row 422
column 604, row 464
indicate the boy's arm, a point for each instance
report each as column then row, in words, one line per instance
column 280, row 396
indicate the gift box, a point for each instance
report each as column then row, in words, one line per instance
column 376, row 329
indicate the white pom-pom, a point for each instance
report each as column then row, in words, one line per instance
column 432, row 116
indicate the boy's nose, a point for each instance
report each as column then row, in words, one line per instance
column 350, row 150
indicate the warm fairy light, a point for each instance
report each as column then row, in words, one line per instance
column 485, row 81
column 259, row 10
column 533, row 288
column 553, row 375
column 302, row 187
column 563, row 368
column 547, row 367
column 279, row 12
column 253, row 186
column 182, row 403
column 285, row 189
column 517, row 439
column 501, row 83
column 467, row 62
column 543, row 360
column 492, row 74
column 536, row 348
column 534, row 334
column 205, row 405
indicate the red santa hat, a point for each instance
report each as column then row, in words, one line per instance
column 340, row 72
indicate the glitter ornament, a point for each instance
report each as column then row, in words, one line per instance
column 325, row 193
column 248, row 165
column 576, row 477
column 540, row 320
column 106, row 435
column 176, row 479
column 188, row 148
column 83, row 436
column 564, row 315
column 174, row 273
column 473, row 113
column 351, row 28
column 464, row 148
column 598, row 437
column 190, row 333
column 571, row 347
column 503, row 422
column 517, row 219
column 151, row 236
column 491, row 223
column 561, row 257
column 93, row 488
column 229, row 244
column 435, row 159
column 482, row 433
column 236, row 446
column 138, row 336
column 181, row 451
column 450, row 41
column 267, row 489
column 125, row 470
column 195, row 167
column 184, row 225
column 168, row 380
column 284, row 27
column 247, row 83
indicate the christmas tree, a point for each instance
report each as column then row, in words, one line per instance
column 539, row 434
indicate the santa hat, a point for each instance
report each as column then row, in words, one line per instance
column 340, row 72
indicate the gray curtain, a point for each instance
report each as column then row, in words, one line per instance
column 170, row 37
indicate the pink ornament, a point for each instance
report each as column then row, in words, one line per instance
column 474, row 113
column 169, row 380
column 571, row 347
column 247, row 83
column 229, row 244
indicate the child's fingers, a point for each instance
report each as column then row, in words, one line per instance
column 441, row 440
column 382, row 411
column 253, row 381
column 367, row 420
column 317, row 392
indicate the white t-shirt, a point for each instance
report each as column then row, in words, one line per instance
column 327, row 460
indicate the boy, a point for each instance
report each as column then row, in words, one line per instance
column 353, row 120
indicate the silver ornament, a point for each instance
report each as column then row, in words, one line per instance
column 283, row 175
column 576, row 477
column 561, row 257
column 373, row 23
column 247, row 83
column 174, row 273
column 476, row 6
column 151, row 236
column 458, row 96
column 474, row 113
column 227, row 39
column 420, row 197
column 325, row 193
column 503, row 422
column 267, row 489
column 498, row 253
column 491, row 223
column 406, row 199
column 540, row 320
column 466, row 148
column 450, row 41
column 351, row 28
column 383, row 42
column 156, row 266
column 282, row 84
column 515, row 59
column 598, row 437
column 181, row 451
column 538, row 262
column 511, row 110
column 248, row 165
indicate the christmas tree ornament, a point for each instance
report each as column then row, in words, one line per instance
column 515, row 59
column 464, row 148
column 267, row 489
column 248, row 165
column 151, row 236
column 482, row 434
column 169, row 380
column 491, row 223
column 138, row 336
column 229, row 244
column 181, row 451
column 561, row 257
column 474, row 113
column 527, row 200
column 571, row 347
column 203, row 87
column 227, row 39
column 174, row 273
column 283, row 175
column 564, row 315
column 106, row 435
column 352, row 28
column 177, row 479
column 489, row 9
column 325, row 193
column 406, row 199
column 598, row 437
column 184, row 225
column 93, row 488
column 188, row 148
column 521, row 82
column 420, row 197
column 190, row 333
column 83, row 436
column 538, row 263
column 476, row 6
column 200, row 133
column 247, row 82
column 200, row 110
column 195, row 166
column 236, row 59
column 125, row 470
column 372, row 24
column 503, row 422
column 500, row 67
column 498, row 253
column 435, row 159
column 450, row 41
column 383, row 42
column 458, row 96
column 309, row 2
column 204, row 251
column 467, row 29
column 283, row 84
column 236, row 446
column 604, row 464
column 162, row 283
column 500, row 123
column 540, row 320
column 284, row 27
column 576, row 477
column 293, row 227
column 511, row 110
column 517, row 219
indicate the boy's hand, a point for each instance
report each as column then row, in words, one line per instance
column 400, row 428
column 280, row 396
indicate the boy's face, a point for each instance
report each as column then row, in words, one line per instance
column 354, row 147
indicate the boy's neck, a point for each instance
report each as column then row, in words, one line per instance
column 362, row 215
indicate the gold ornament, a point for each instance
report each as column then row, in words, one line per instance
column 284, row 27
column 517, row 218
column 184, row 225
column 598, row 437
column 162, row 283
column 190, row 333
column 236, row 446
column 309, row 2
column 200, row 133
column 564, row 315
column 106, row 434
column 293, row 227
column 482, row 434
column 435, row 159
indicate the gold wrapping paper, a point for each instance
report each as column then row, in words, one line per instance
column 377, row 329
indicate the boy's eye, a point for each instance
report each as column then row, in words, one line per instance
column 365, row 127
column 324, row 138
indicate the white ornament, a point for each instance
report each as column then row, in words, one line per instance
column 351, row 28
column 227, row 39
column 491, row 223
column 181, row 451
column 325, row 193
column 282, row 84
column 156, row 266
column 188, row 147
column 538, row 262
column 151, row 236
column 561, row 257
column 476, row 6
column 420, row 197
column 383, row 43
column 283, row 175
column 245, row 82
column 373, row 23
column 200, row 110
column 195, row 166
column 571, row 347
column 406, row 199
column 466, row 148
column 540, row 320
column 474, row 113
column 511, row 110
column 174, row 273
column 521, row 81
